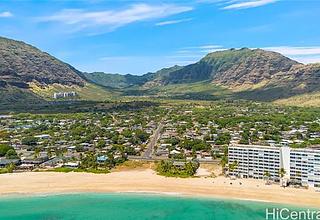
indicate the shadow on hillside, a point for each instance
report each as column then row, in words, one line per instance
column 199, row 96
column 270, row 93
column 76, row 106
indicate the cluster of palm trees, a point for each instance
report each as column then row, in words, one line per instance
column 234, row 165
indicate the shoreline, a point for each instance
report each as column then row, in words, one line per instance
column 147, row 182
column 146, row 193
column 154, row 193
column 161, row 194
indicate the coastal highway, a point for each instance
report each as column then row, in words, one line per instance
column 154, row 139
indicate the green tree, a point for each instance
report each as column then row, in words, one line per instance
column 49, row 153
column 245, row 137
column 127, row 133
column 101, row 144
column 79, row 148
column 36, row 153
column 223, row 138
column 12, row 154
column 89, row 161
column 4, row 148
column 141, row 135
column 224, row 159
column 266, row 175
column 4, row 135
column 233, row 166
column 10, row 167
column 282, row 172
column 31, row 141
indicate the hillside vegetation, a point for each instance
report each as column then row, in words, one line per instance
column 21, row 63
column 28, row 74
column 87, row 92
column 241, row 74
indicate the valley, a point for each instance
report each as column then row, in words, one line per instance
column 57, row 118
column 201, row 109
column 27, row 73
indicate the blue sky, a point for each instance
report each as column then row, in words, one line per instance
column 120, row 36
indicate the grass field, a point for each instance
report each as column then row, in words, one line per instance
column 198, row 91
column 88, row 92
column 92, row 97
column 305, row 100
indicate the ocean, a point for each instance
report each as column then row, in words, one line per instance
column 126, row 206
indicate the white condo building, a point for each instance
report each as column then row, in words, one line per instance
column 252, row 161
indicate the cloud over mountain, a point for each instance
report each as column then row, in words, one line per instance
column 113, row 19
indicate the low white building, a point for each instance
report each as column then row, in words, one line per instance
column 58, row 95
column 252, row 161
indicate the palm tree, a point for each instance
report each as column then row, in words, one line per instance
column 283, row 181
column 10, row 167
column 233, row 166
column 282, row 172
column 224, row 160
column 267, row 176
column 36, row 153
column 298, row 177
column 49, row 153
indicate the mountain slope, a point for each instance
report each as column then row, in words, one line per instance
column 244, row 73
column 247, row 66
column 21, row 63
column 17, row 96
column 298, row 80
column 116, row 80
column 30, row 75
column 232, row 67
column 249, row 74
column 125, row 81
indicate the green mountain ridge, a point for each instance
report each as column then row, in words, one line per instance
column 30, row 76
column 21, row 63
column 117, row 81
column 227, row 67
column 232, row 66
column 28, row 73
column 125, row 81
column 249, row 74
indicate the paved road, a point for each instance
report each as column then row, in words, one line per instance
column 153, row 141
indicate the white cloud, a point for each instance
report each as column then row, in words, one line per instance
column 208, row 46
column 243, row 4
column 192, row 54
column 212, row 1
column 198, row 51
column 189, row 56
column 291, row 51
column 82, row 19
column 307, row 59
column 182, row 62
column 5, row 14
column 172, row 22
column 213, row 50
column 309, row 54
column 116, row 58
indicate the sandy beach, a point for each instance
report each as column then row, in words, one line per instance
column 148, row 181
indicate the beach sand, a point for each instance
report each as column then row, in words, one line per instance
column 147, row 181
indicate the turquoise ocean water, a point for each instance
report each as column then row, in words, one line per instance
column 128, row 206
